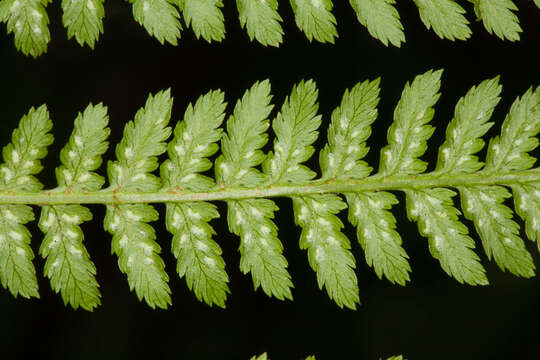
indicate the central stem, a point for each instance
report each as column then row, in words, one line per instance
column 373, row 183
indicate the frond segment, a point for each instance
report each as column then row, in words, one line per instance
column 247, row 178
column 206, row 18
column 83, row 20
column 133, row 239
column 21, row 162
column 29, row 21
column 315, row 19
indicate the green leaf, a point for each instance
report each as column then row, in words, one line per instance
column 509, row 151
column 348, row 131
column 84, row 20
column 315, row 19
column 260, row 357
column 537, row 2
column 29, row 21
column 328, row 248
column 68, row 263
column 21, row 162
column 527, row 204
column 377, row 236
column 408, row 133
column 138, row 253
column 133, row 239
column 83, row 152
column 296, row 129
column 17, row 273
column 261, row 20
column 465, row 131
column 205, row 17
column 448, row 240
column 160, row 18
column 498, row 18
column 381, row 19
column 445, row 17
column 260, row 249
column 199, row 257
column 341, row 159
column 195, row 139
column 499, row 233
column 246, row 135
column 143, row 140
column 21, row 157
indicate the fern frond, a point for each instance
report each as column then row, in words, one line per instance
column 133, row 239
column 262, row 20
column 29, row 21
column 251, row 219
column 21, row 162
column 498, row 17
column 160, row 19
column 381, row 19
column 199, row 256
column 315, row 19
column 83, row 20
column 68, row 263
column 445, row 17
column 205, row 17
column 247, row 179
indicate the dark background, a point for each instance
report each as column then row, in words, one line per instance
column 433, row 317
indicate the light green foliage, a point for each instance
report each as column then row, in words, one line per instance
column 537, row 2
column 448, row 240
column 205, row 17
column 498, row 17
column 465, row 131
column 484, row 204
column 315, row 19
column 445, row 17
column 328, row 248
column 376, row 233
column 246, row 179
column 296, row 129
column 29, row 21
column 261, row 20
column 159, row 17
column 349, row 129
column 133, row 239
column 408, row 133
column 396, row 357
column 381, row 19
column 499, row 233
column 351, row 124
column 199, row 256
column 260, row 248
column 527, row 204
column 84, row 20
column 68, row 264
column 21, row 162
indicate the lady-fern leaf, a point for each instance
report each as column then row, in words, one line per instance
column 247, row 179
column 162, row 19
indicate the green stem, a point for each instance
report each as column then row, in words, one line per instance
column 372, row 183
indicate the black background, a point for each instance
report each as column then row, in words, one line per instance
column 433, row 317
